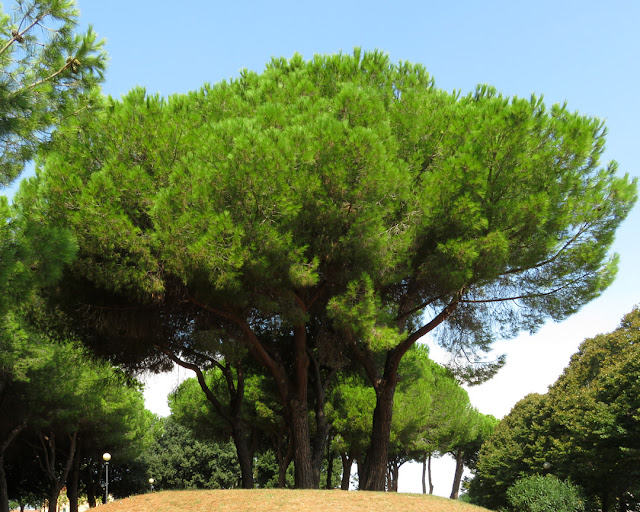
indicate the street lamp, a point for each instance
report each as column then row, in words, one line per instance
column 546, row 465
column 106, row 457
column 151, row 481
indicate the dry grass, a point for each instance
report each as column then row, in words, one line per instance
column 275, row 500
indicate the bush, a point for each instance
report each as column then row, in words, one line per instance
column 544, row 494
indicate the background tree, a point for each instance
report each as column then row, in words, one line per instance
column 177, row 460
column 436, row 430
column 220, row 412
column 343, row 199
column 586, row 427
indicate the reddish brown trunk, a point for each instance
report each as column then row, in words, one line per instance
column 301, row 446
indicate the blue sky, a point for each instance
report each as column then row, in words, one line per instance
column 584, row 52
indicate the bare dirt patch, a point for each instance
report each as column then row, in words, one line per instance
column 275, row 500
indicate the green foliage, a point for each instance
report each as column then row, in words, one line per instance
column 345, row 192
column 46, row 73
column 544, row 494
column 266, row 469
column 355, row 169
column 177, row 460
column 586, row 426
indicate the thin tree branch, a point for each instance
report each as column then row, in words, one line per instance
column 201, row 380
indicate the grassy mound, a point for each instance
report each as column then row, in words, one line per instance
column 268, row 500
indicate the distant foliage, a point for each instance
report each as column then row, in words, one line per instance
column 544, row 494
column 587, row 426
column 177, row 460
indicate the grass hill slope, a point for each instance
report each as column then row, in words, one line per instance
column 271, row 500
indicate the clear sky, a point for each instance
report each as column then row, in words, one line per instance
column 585, row 52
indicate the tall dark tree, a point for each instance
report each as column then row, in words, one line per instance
column 342, row 200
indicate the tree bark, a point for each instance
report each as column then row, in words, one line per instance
column 284, row 459
column 244, row 454
column 375, row 465
column 91, row 486
column 72, row 484
column 322, row 425
column 376, row 458
column 458, row 476
column 330, row 453
column 302, row 457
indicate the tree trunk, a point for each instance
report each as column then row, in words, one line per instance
column 284, row 460
column 91, row 486
column 330, row 452
column 375, row 464
column 72, row 484
column 424, row 474
column 347, row 462
column 458, row 477
column 245, row 457
column 430, row 474
column 304, row 474
column 394, row 473
column 4, row 493
column 54, row 493
column 320, row 441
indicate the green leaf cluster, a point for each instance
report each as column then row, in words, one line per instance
column 47, row 72
column 345, row 172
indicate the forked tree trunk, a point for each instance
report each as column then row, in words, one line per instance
column 284, row 459
column 347, row 462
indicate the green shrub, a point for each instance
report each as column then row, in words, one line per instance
column 544, row 494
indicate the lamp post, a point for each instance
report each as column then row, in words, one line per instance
column 151, row 481
column 106, row 457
